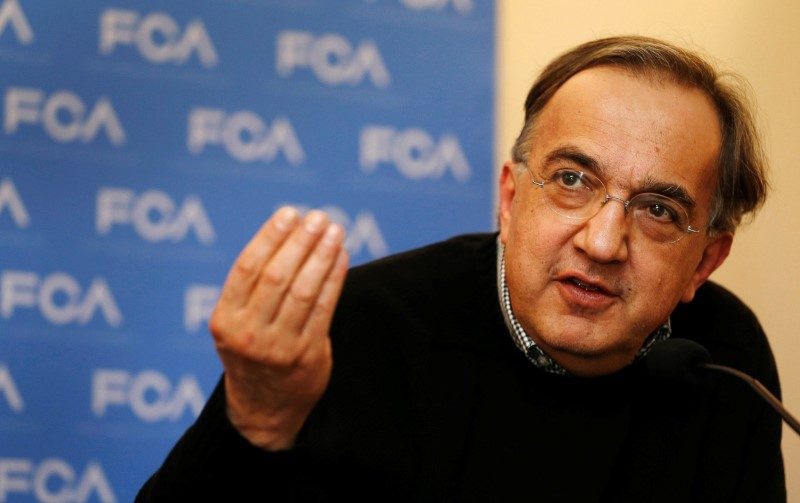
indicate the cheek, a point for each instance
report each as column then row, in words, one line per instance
column 661, row 279
column 532, row 249
column 530, row 243
column 536, row 228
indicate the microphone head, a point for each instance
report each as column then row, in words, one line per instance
column 676, row 360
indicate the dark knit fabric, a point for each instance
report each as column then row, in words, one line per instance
column 430, row 400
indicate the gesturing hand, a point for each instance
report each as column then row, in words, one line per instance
column 271, row 323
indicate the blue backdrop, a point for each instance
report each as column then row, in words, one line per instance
column 143, row 142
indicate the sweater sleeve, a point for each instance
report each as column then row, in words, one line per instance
column 212, row 460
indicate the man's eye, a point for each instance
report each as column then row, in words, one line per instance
column 565, row 178
column 662, row 212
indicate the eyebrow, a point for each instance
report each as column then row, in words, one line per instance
column 577, row 156
column 672, row 191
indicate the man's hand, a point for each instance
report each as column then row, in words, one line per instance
column 271, row 325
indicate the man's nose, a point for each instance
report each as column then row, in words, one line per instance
column 604, row 237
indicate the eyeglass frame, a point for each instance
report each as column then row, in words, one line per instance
column 689, row 230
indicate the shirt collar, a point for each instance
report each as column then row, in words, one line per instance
column 532, row 351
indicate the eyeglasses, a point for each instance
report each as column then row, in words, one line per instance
column 579, row 196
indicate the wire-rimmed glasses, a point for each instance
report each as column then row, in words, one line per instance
column 578, row 196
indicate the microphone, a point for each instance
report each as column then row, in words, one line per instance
column 683, row 360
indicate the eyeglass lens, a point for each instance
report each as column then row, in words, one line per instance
column 580, row 195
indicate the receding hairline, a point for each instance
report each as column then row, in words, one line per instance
column 656, row 77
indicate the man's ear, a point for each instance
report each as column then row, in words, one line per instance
column 714, row 255
column 508, row 188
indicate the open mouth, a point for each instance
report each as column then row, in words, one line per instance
column 586, row 286
column 583, row 294
column 586, row 292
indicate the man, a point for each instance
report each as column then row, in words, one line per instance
column 509, row 367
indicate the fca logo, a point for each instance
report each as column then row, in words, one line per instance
column 331, row 58
column 157, row 37
column 244, row 135
column 63, row 115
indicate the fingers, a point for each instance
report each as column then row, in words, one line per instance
column 289, row 274
column 247, row 268
column 319, row 319
column 304, row 291
column 311, row 323
column 279, row 273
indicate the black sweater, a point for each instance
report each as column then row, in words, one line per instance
column 431, row 400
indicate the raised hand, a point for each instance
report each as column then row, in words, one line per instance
column 271, row 325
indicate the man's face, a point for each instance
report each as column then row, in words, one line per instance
column 589, row 293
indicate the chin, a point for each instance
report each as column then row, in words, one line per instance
column 588, row 346
column 574, row 336
column 582, row 347
column 587, row 358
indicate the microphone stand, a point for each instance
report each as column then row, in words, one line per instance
column 760, row 389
